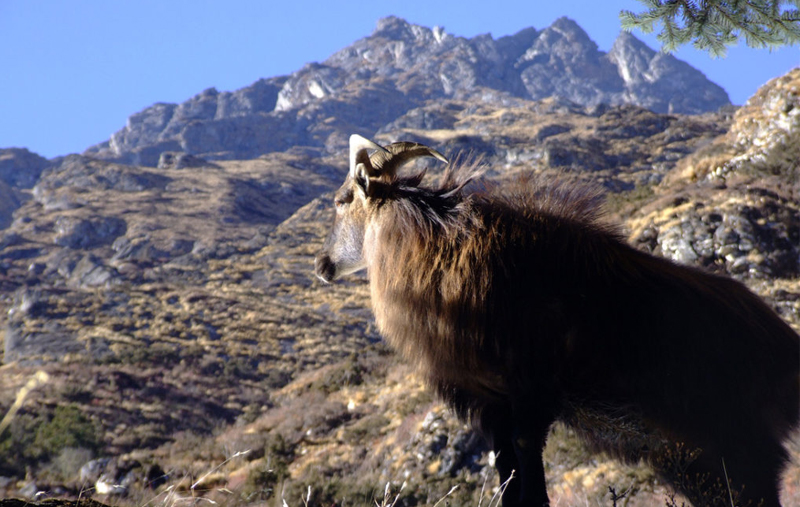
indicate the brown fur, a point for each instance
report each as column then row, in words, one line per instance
column 521, row 308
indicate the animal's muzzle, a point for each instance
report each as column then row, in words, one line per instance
column 325, row 268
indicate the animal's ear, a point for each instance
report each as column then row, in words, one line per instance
column 415, row 180
column 361, row 177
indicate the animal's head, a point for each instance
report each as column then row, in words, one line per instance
column 368, row 183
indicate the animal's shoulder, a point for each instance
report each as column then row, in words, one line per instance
column 533, row 195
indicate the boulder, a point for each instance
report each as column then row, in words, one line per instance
column 180, row 160
column 73, row 232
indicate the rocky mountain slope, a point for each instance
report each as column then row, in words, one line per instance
column 165, row 340
column 398, row 68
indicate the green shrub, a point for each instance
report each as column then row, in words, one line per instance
column 267, row 476
column 367, row 428
column 349, row 372
column 34, row 439
column 15, row 445
column 68, row 427
column 156, row 354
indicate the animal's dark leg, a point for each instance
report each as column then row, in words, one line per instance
column 497, row 429
column 752, row 477
column 756, row 473
column 507, row 467
column 529, row 440
column 709, row 485
column 517, row 437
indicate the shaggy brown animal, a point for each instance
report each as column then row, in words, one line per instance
column 521, row 308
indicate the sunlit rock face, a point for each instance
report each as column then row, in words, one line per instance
column 399, row 67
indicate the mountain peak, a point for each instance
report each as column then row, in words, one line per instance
column 402, row 66
column 571, row 30
column 390, row 23
column 627, row 42
column 632, row 57
column 395, row 28
column 567, row 24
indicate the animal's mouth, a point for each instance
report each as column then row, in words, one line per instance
column 324, row 268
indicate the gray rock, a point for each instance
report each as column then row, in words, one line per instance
column 430, row 117
column 143, row 128
column 73, row 232
column 10, row 200
column 202, row 106
column 142, row 249
column 563, row 61
column 91, row 272
column 20, row 167
column 99, row 348
column 38, row 346
column 51, row 201
column 163, row 127
column 661, row 82
column 10, row 239
column 259, row 97
column 674, row 245
column 117, row 477
column 92, row 470
column 57, row 187
column 456, row 446
column 30, row 491
column 743, row 241
column 576, row 153
column 312, row 82
column 62, row 262
column 28, row 303
column 106, row 485
column 551, row 130
column 125, row 180
column 180, row 160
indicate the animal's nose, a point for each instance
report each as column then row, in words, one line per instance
column 325, row 268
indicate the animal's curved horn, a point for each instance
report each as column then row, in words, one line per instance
column 358, row 151
column 397, row 154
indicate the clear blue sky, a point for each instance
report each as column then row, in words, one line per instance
column 71, row 72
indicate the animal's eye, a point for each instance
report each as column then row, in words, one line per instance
column 341, row 200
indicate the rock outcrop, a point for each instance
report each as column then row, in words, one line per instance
column 735, row 200
column 19, row 170
column 20, row 167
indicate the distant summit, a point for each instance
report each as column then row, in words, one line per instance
column 399, row 67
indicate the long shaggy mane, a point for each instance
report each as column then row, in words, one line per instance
column 445, row 203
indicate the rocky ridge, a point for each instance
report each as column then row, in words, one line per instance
column 396, row 69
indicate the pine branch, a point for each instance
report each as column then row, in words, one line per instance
column 715, row 24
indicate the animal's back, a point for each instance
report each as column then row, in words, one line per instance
column 620, row 326
column 533, row 270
